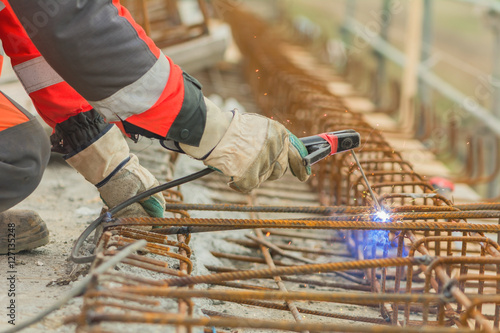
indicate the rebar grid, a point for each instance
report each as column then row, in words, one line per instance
column 429, row 266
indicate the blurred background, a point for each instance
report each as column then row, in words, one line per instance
column 433, row 66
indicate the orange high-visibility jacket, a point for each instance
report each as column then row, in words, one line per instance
column 72, row 56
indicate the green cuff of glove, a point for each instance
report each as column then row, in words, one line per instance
column 153, row 207
column 301, row 149
column 215, row 169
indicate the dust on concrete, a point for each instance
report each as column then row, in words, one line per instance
column 67, row 203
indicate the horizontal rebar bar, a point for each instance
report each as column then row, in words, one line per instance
column 173, row 319
column 297, row 270
column 334, row 297
column 302, row 310
column 304, row 235
column 304, row 281
column 271, row 209
column 312, row 224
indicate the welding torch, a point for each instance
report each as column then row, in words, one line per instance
column 326, row 144
column 318, row 147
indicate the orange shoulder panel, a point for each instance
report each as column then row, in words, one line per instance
column 10, row 116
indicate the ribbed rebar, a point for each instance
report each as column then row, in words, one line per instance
column 323, row 224
column 271, row 209
column 172, row 319
column 296, row 91
column 335, row 297
column 297, row 270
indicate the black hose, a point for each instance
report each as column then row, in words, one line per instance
column 108, row 215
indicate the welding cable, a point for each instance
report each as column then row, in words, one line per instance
column 106, row 217
column 80, row 287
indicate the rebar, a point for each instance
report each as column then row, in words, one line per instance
column 429, row 266
column 348, row 223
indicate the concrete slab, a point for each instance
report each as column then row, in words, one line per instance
column 464, row 193
column 340, row 88
column 8, row 74
column 431, row 169
column 380, row 121
column 406, row 144
column 359, row 104
column 203, row 52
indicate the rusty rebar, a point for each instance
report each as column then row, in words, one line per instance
column 297, row 270
column 388, row 272
column 352, row 222
column 270, row 209
column 172, row 319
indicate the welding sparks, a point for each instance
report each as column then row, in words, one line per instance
column 381, row 216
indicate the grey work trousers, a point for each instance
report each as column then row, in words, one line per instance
column 24, row 154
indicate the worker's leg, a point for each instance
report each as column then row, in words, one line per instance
column 24, row 154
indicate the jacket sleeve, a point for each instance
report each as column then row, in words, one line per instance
column 99, row 49
column 52, row 97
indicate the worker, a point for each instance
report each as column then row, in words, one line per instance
column 89, row 70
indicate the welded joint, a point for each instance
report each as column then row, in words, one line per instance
column 426, row 259
column 448, row 290
column 107, row 218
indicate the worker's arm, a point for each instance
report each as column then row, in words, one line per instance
column 101, row 52
column 100, row 153
column 93, row 147
column 54, row 99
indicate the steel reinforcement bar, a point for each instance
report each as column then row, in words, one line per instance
column 426, row 266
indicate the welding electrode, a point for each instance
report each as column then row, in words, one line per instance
column 326, row 144
column 377, row 204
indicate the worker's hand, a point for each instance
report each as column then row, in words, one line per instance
column 249, row 148
column 103, row 157
column 131, row 180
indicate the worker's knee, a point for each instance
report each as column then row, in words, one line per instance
column 24, row 154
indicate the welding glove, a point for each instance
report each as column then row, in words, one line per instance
column 100, row 153
column 249, row 148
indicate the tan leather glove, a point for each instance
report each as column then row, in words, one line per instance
column 249, row 148
column 107, row 163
